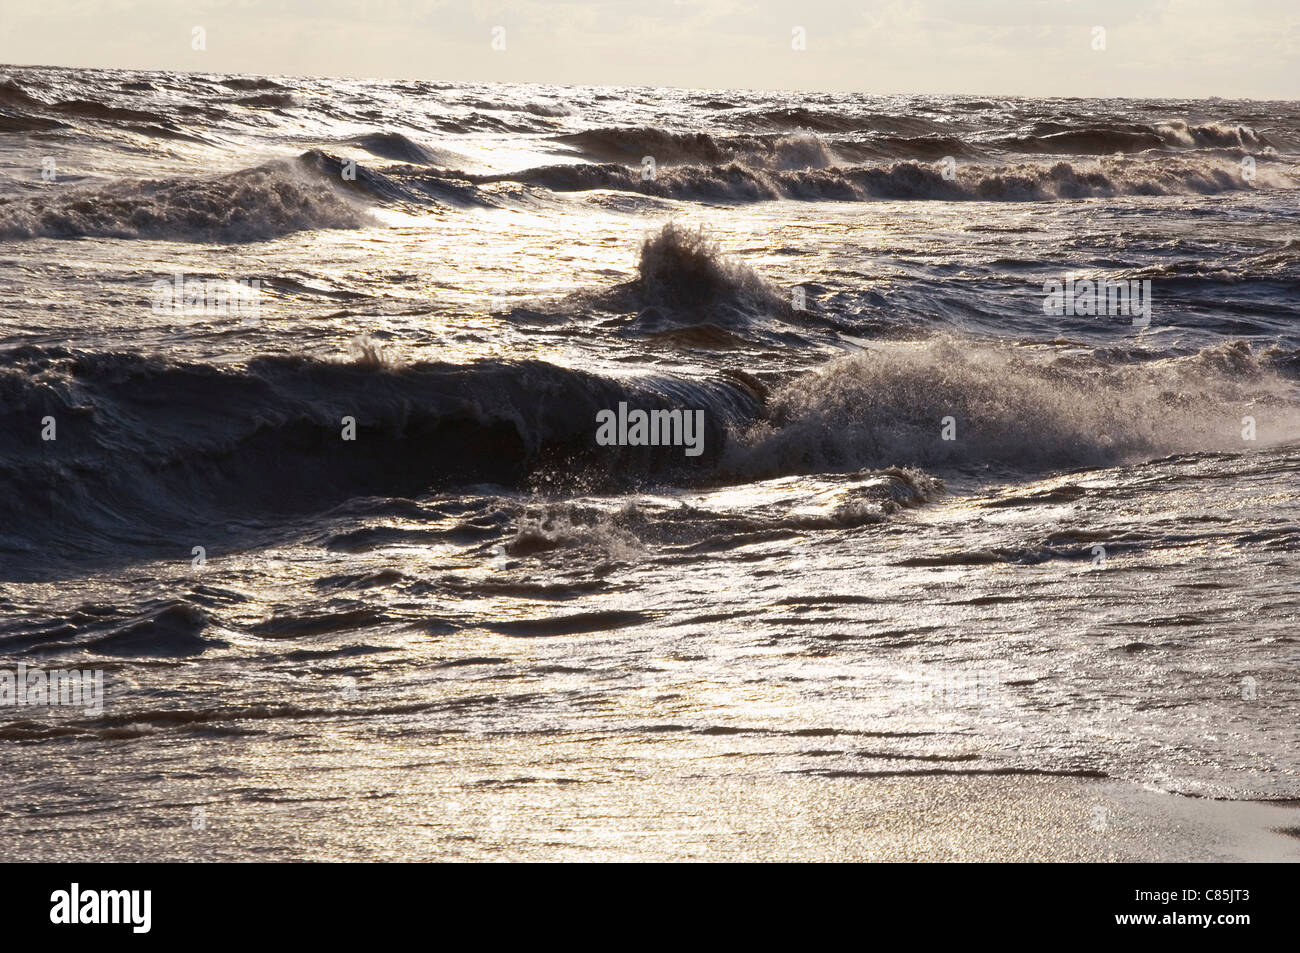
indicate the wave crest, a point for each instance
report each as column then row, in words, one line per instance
column 1022, row 182
column 249, row 205
column 888, row 407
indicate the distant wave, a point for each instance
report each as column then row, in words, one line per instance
column 1084, row 142
column 14, row 95
column 830, row 120
column 908, row 147
column 414, row 185
column 1023, row 182
column 251, row 83
column 488, row 121
column 819, row 148
column 533, row 108
column 91, row 109
column 248, row 205
column 1134, row 137
column 395, row 146
column 630, row 145
column 263, row 99
column 268, row 100
column 1216, row 134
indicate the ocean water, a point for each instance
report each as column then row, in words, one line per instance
column 301, row 387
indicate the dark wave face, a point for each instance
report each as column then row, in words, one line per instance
column 722, row 428
column 173, row 447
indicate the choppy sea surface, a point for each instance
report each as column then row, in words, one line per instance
column 356, row 540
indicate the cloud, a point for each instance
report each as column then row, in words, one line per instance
column 1175, row 48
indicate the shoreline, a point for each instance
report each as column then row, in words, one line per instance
column 1031, row 819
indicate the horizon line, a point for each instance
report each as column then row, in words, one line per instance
column 731, row 89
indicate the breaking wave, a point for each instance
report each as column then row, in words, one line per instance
column 1023, row 409
column 1051, row 137
column 811, row 148
column 1025, row 182
column 148, row 448
column 682, row 273
column 248, row 205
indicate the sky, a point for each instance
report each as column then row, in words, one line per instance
column 1173, row 48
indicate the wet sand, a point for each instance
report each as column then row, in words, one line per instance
column 895, row 819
